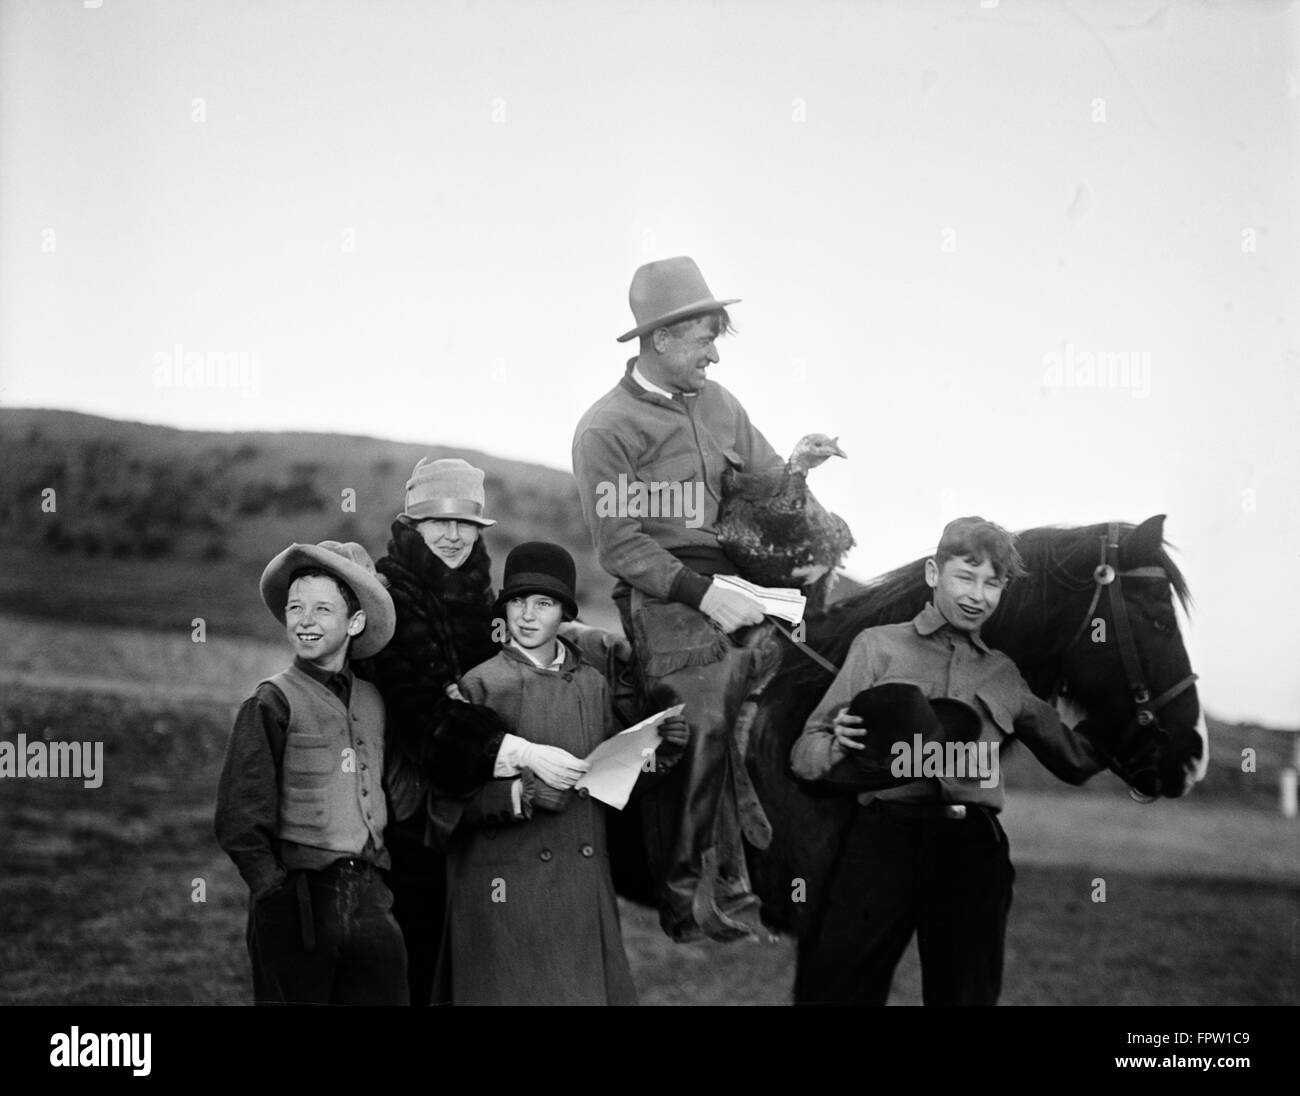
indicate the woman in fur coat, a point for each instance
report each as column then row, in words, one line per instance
column 439, row 575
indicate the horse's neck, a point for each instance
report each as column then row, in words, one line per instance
column 1032, row 640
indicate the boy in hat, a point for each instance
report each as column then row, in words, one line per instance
column 532, row 915
column 300, row 806
column 929, row 855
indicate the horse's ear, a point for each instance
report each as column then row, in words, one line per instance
column 1143, row 543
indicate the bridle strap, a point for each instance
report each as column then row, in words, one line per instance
column 1108, row 576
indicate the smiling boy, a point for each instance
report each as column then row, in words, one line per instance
column 929, row 856
column 300, row 805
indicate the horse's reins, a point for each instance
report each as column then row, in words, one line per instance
column 1107, row 576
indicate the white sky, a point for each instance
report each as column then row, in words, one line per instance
column 503, row 167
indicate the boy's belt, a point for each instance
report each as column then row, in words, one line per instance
column 306, row 916
column 953, row 812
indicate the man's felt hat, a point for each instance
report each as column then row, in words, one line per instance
column 349, row 563
column 666, row 291
column 895, row 712
column 445, row 490
column 537, row 567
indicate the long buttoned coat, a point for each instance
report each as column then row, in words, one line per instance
column 532, row 917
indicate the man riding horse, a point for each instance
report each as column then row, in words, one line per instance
column 672, row 432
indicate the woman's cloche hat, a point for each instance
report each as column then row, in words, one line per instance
column 445, row 490
column 537, row 567
column 666, row 291
column 349, row 563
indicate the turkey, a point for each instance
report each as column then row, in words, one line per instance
column 776, row 532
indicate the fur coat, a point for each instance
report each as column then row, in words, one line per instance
column 444, row 629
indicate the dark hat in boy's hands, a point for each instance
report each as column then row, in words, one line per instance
column 895, row 712
column 349, row 563
column 540, row 568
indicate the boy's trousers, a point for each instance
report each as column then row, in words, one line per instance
column 328, row 937
column 901, row 871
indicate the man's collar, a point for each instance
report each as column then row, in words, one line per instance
column 640, row 378
column 929, row 620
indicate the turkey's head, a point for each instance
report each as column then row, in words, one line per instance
column 814, row 449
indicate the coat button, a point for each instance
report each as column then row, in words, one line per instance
column 365, row 791
column 587, row 850
column 545, row 854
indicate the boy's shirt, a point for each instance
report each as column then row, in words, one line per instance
column 943, row 661
column 248, row 794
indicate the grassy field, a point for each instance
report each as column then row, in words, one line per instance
column 97, row 886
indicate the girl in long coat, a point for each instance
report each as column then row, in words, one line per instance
column 532, row 915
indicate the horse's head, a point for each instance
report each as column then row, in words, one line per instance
column 1126, row 664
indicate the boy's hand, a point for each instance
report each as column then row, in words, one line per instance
column 269, row 890
column 554, row 766
column 849, row 731
column 453, row 691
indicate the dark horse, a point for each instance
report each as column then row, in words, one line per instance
column 1093, row 621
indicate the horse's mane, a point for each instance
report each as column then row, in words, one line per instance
column 1054, row 556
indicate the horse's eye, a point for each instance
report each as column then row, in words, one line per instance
column 1160, row 626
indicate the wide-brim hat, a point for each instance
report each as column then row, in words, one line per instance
column 666, row 291
column 895, row 712
column 449, row 489
column 349, row 563
column 538, row 567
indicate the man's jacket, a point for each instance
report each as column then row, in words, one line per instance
column 649, row 473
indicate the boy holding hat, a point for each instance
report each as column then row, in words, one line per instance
column 667, row 427
column 300, row 805
column 532, row 915
column 928, row 855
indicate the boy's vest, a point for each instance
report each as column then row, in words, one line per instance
column 330, row 799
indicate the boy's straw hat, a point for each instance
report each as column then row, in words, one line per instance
column 445, row 490
column 666, row 291
column 349, row 563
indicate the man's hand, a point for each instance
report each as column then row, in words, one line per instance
column 730, row 608
column 849, row 731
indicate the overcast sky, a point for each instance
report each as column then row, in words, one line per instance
column 419, row 220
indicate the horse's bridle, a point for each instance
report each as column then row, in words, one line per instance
column 1107, row 576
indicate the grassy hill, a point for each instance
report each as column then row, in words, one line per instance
column 154, row 526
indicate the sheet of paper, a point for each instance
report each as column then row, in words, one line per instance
column 617, row 762
column 779, row 601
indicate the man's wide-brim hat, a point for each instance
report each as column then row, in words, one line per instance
column 896, row 712
column 537, row 567
column 449, row 489
column 666, row 291
column 349, row 563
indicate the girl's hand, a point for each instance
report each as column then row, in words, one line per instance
column 453, row 691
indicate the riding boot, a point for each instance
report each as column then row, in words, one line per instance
column 693, row 821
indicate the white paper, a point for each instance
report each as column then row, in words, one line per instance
column 617, row 762
column 779, row 601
